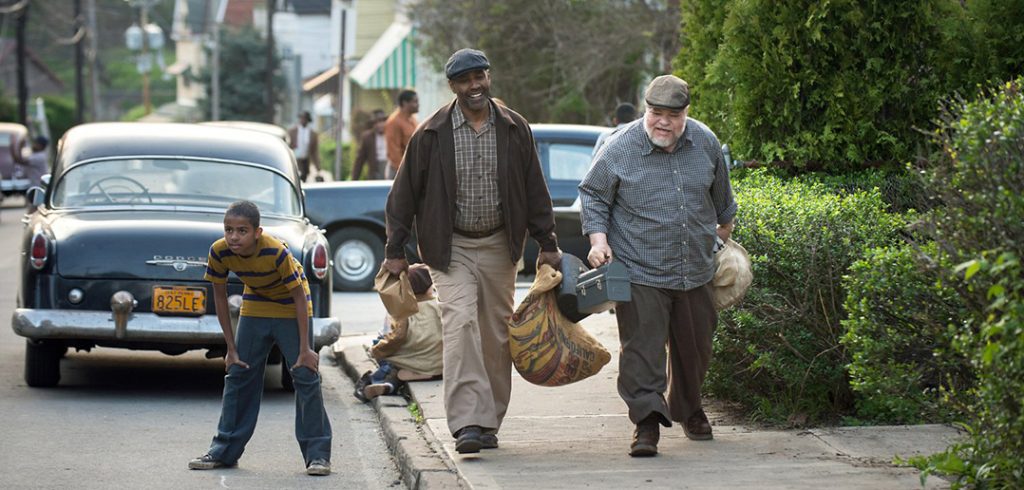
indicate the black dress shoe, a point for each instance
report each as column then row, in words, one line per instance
column 645, row 437
column 488, row 441
column 468, row 440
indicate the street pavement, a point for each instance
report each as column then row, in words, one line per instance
column 133, row 419
column 578, row 436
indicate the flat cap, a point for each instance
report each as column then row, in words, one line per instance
column 465, row 60
column 668, row 91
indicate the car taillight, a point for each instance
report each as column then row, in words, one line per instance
column 40, row 251
column 320, row 262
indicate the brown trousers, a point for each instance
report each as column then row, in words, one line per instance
column 476, row 296
column 655, row 316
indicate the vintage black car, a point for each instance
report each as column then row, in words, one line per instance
column 115, row 254
column 353, row 212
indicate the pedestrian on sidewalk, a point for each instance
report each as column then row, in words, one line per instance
column 398, row 129
column 625, row 113
column 655, row 199
column 373, row 149
column 305, row 143
column 275, row 310
column 471, row 182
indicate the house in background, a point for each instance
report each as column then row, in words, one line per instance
column 192, row 31
column 381, row 60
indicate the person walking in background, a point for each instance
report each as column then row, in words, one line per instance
column 373, row 149
column 655, row 199
column 398, row 129
column 36, row 164
column 472, row 183
column 625, row 113
column 305, row 145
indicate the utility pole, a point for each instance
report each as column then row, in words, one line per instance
column 94, row 76
column 79, row 62
column 338, row 149
column 215, row 62
column 144, row 20
column 269, row 80
column 22, row 19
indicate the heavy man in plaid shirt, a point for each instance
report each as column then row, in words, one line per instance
column 655, row 199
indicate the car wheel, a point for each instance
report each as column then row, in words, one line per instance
column 286, row 378
column 42, row 363
column 357, row 254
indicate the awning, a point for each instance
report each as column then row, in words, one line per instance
column 390, row 63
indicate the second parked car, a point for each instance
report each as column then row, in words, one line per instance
column 352, row 213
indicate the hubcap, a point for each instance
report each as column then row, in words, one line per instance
column 353, row 260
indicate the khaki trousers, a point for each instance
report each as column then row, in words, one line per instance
column 655, row 316
column 476, row 296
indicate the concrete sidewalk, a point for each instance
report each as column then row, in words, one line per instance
column 578, row 436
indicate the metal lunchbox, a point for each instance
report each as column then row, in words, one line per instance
column 568, row 305
column 599, row 289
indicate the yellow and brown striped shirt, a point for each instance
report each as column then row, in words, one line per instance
column 269, row 276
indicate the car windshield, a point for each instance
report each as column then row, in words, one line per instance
column 174, row 182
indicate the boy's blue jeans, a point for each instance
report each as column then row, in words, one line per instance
column 243, row 392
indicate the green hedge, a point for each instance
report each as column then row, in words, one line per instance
column 779, row 352
column 899, row 332
column 976, row 173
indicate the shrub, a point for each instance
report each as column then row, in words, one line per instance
column 899, row 331
column 824, row 85
column 900, row 189
column 778, row 352
column 978, row 176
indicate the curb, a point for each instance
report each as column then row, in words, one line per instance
column 417, row 453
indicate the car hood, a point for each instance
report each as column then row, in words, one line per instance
column 163, row 245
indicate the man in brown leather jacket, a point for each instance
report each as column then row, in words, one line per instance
column 472, row 182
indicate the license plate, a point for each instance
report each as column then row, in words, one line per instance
column 179, row 300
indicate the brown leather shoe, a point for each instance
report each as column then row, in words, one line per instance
column 697, row 427
column 645, row 437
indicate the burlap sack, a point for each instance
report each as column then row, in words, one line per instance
column 733, row 275
column 547, row 349
column 396, row 294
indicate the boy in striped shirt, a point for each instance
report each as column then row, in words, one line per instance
column 275, row 309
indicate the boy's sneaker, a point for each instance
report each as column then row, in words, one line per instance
column 206, row 462
column 375, row 390
column 319, row 467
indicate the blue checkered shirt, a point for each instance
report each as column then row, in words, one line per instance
column 660, row 210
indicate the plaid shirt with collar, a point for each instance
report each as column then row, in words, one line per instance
column 477, row 202
column 660, row 210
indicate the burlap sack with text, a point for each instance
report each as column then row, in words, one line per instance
column 547, row 349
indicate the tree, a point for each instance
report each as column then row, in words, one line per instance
column 242, row 90
column 559, row 60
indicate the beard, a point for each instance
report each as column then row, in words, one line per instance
column 661, row 141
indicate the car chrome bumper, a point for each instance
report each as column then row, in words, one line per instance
column 141, row 327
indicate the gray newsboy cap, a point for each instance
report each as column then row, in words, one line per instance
column 465, row 60
column 668, row 91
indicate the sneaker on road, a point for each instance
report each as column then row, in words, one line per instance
column 319, row 467
column 206, row 462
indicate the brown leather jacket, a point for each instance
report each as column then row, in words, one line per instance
column 424, row 189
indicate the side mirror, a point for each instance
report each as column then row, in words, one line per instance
column 35, row 196
column 45, row 179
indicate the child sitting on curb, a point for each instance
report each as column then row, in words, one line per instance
column 412, row 349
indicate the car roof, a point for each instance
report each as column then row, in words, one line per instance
column 13, row 128
column 107, row 140
column 271, row 129
column 570, row 131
